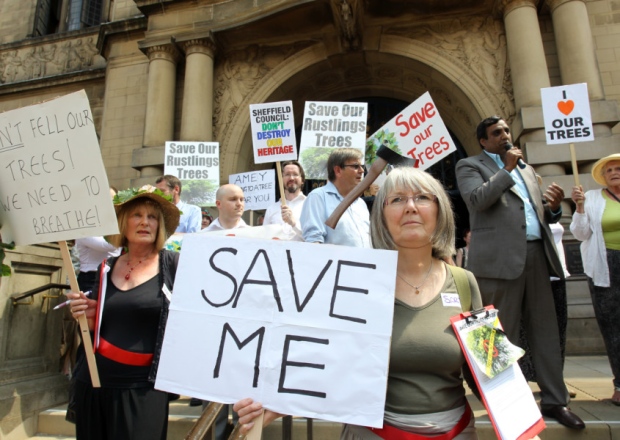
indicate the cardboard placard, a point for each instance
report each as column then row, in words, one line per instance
column 329, row 125
column 197, row 166
column 273, row 132
column 53, row 185
column 258, row 188
column 566, row 111
column 418, row 132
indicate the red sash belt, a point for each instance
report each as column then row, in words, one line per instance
column 121, row 356
column 389, row 432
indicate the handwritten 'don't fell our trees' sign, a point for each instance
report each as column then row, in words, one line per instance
column 53, row 185
column 302, row 328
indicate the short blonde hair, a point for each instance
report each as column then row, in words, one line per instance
column 120, row 240
column 443, row 237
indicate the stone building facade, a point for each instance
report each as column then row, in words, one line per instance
column 159, row 70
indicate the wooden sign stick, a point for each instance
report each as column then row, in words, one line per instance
column 257, row 430
column 281, row 185
column 84, row 331
column 573, row 161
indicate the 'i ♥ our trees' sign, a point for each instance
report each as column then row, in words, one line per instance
column 566, row 111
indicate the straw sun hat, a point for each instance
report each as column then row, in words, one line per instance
column 597, row 169
column 171, row 212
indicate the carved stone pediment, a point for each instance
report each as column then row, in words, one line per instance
column 478, row 44
column 347, row 16
column 48, row 58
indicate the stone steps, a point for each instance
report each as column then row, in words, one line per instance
column 52, row 424
column 589, row 376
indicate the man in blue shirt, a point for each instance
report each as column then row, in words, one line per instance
column 512, row 253
column 191, row 218
column 344, row 171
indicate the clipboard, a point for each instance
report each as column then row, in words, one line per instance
column 507, row 396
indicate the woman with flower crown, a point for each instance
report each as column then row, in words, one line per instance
column 127, row 314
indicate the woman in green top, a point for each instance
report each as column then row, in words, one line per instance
column 596, row 223
column 425, row 394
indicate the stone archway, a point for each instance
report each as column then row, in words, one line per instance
column 401, row 69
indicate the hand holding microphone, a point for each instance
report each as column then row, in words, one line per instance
column 520, row 162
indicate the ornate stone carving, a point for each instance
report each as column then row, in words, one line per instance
column 503, row 7
column 238, row 74
column 478, row 43
column 346, row 18
column 555, row 3
column 167, row 52
column 48, row 59
column 199, row 45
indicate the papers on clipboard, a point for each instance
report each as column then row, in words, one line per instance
column 505, row 392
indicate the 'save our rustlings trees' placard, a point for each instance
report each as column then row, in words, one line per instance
column 197, row 166
column 53, row 185
column 329, row 125
column 303, row 328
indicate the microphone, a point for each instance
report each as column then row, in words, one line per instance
column 507, row 147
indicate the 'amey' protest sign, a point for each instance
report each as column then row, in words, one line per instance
column 329, row 125
column 53, row 186
column 302, row 328
column 566, row 112
column 258, row 188
column 197, row 166
column 418, row 132
column 273, row 132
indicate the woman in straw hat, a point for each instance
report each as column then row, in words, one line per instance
column 128, row 316
column 596, row 223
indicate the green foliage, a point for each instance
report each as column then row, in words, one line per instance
column 5, row 270
column 382, row 137
column 126, row 194
column 199, row 192
column 314, row 162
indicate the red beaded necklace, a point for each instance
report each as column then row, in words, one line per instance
column 131, row 268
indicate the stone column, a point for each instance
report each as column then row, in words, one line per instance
column 575, row 44
column 197, row 113
column 525, row 52
column 160, row 101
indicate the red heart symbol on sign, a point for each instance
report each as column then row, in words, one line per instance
column 566, row 106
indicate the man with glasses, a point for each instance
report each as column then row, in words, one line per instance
column 293, row 178
column 344, row 172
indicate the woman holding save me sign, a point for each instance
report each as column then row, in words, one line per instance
column 128, row 315
column 425, row 393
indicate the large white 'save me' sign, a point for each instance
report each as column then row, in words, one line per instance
column 53, row 185
column 302, row 328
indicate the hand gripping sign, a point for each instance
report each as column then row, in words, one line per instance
column 280, row 322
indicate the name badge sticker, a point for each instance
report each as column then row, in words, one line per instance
column 451, row 300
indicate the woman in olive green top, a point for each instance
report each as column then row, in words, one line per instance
column 425, row 394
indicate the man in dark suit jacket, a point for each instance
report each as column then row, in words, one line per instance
column 512, row 253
